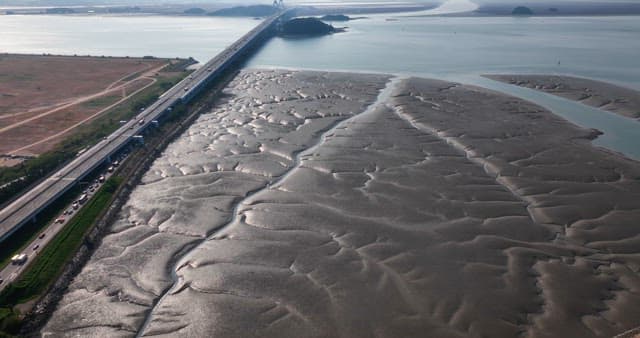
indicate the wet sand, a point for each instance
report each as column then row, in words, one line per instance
column 440, row 210
column 606, row 96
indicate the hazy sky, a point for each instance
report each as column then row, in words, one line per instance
column 244, row 2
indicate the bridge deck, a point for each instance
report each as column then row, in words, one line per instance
column 13, row 216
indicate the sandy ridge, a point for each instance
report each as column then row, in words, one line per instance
column 602, row 95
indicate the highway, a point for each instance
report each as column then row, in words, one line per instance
column 9, row 273
column 26, row 207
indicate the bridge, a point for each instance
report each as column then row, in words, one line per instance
column 27, row 206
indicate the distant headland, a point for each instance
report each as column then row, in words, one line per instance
column 307, row 27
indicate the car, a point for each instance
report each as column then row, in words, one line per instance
column 75, row 205
column 36, row 247
column 1, row 280
column 101, row 179
column 60, row 220
column 42, row 235
column 110, row 169
column 92, row 189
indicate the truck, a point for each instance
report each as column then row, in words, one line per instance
column 83, row 198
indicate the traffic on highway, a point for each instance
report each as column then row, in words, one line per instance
column 20, row 260
column 27, row 206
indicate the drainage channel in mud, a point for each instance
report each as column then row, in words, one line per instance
column 177, row 285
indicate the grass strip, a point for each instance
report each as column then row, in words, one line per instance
column 47, row 266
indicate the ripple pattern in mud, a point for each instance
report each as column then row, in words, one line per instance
column 243, row 145
column 451, row 211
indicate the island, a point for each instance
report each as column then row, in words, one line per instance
column 521, row 10
column 307, row 27
column 335, row 17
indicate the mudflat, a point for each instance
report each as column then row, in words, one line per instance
column 606, row 96
column 348, row 205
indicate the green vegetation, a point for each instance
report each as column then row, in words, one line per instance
column 335, row 17
column 306, row 27
column 34, row 169
column 180, row 65
column 9, row 322
column 49, row 263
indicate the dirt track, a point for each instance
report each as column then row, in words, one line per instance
column 43, row 98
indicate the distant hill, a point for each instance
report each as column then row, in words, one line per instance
column 548, row 8
column 194, row 11
column 255, row 10
column 522, row 10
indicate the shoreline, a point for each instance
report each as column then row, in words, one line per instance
column 606, row 96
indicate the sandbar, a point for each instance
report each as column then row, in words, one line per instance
column 599, row 94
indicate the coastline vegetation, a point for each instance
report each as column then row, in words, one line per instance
column 307, row 27
column 17, row 179
column 48, row 265
column 28, row 232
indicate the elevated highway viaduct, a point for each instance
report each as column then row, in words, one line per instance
column 27, row 206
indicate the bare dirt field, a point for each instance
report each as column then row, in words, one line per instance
column 44, row 98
